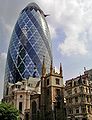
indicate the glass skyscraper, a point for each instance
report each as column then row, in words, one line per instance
column 30, row 41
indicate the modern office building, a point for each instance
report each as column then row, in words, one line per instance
column 30, row 41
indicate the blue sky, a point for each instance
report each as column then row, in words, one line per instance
column 70, row 24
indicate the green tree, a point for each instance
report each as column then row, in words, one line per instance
column 8, row 112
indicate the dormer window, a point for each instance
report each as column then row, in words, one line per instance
column 57, row 81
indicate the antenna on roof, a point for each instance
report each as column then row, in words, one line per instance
column 46, row 15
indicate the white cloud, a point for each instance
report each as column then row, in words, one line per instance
column 75, row 23
column 75, row 18
column 71, row 46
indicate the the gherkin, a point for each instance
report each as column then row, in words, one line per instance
column 30, row 41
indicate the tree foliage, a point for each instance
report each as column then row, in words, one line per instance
column 8, row 112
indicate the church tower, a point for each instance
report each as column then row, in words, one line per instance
column 52, row 94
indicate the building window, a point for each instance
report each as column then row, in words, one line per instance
column 89, row 90
column 81, row 89
column 29, row 84
column 77, row 110
column 70, row 100
column 7, row 91
column 23, row 83
column 20, row 96
column 57, row 91
column 89, row 109
column 70, row 111
column 47, row 81
column 88, row 99
column 75, row 83
column 57, row 81
column 84, row 81
column 86, row 90
column 20, row 106
column 76, row 99
column 83, row 109
column 75, row 90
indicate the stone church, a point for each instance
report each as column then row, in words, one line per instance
column 39, row 98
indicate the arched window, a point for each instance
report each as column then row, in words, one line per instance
column 34, row 110
column 20, row 106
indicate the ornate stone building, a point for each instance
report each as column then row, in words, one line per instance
column 39, row 99
column 78, row 94
column 19, row 94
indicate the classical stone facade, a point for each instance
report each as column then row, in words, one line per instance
column 39, row 99
column 78, row 94
column 19, row 94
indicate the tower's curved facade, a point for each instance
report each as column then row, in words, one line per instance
column 30, row 41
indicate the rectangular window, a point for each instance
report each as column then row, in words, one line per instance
column 47, row 81
column 89, row 109
column 57, row 81
column 70, row 111
column 76, row 99
column 77, row 110
column 20, row 106
column 83, row 109
column 57, row 91
column 70, row 100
